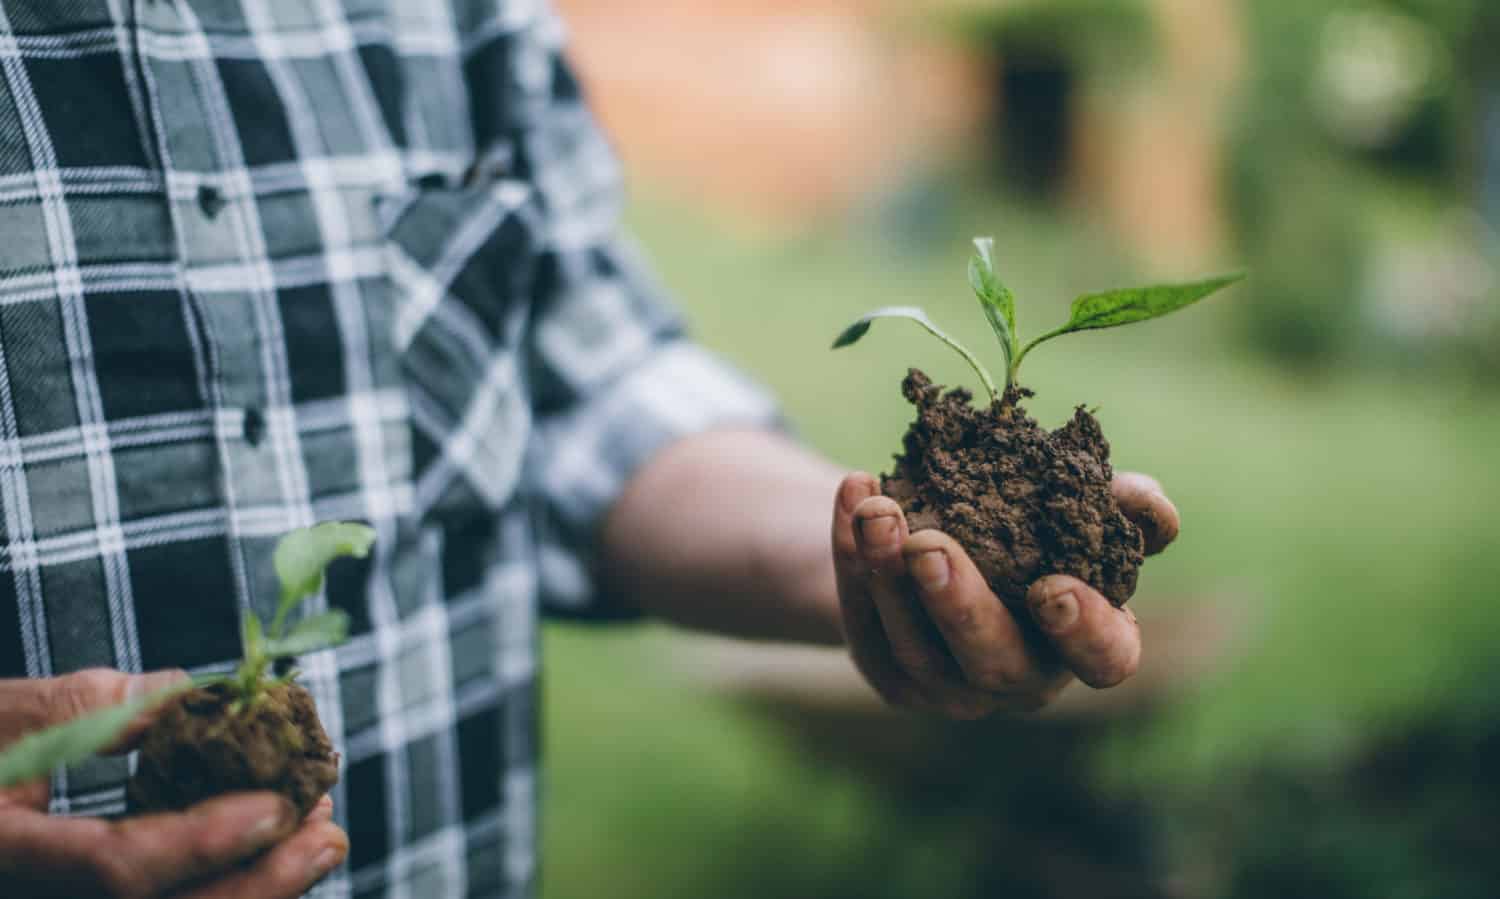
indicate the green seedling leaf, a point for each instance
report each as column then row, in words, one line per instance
column 302, row 556
column 861, row 327
column 310, row 635
column 1123, row 307
column 995, row 298
column 36, row 754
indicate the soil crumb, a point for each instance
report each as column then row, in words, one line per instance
column 200, row 748
column 1024, row 502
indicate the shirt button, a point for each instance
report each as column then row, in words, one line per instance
column 255, row 426
column 210, row 200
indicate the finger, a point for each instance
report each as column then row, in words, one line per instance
column 36, row 704
column 323, row 811
column 862, row 631
column 979, row 631
column 150, row 855
column 34, row 796
column 853, row 490
column 1100, row 643
column 286, row 872
column 915, row 643
column 1144, row 502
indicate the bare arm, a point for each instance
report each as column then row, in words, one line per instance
column 728, row 532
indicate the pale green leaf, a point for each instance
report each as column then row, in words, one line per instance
column 311, row 634
column 302, row 556
column 36, row 754
column 1123, row 307
column 995, row 298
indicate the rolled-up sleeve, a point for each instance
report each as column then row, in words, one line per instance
column 612, row 375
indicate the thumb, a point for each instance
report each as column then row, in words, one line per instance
column 28, row 705
column 75, row 695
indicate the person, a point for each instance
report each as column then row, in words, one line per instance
column 266, row 264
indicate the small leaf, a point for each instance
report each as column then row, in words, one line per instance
column 302, row 555
column 310, row 635
column 857, row 330
column 995, row 298
column 36, row 754
column 1136, row 304
column 853, row 333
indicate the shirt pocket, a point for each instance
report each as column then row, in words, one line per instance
column 461, row 261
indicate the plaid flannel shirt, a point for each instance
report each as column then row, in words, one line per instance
column 270, row 262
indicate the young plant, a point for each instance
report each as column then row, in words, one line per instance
column 300, row 559
column 1090, row 312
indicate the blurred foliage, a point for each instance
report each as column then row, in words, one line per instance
column 1344, row 524
column 1088, row 34
column 1356, row 125
column 1045, row 55
column 1411, row 815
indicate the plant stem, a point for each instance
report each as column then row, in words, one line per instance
column 1015, row 362
column 974, row 363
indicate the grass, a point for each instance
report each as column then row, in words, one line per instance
column 1352, row 513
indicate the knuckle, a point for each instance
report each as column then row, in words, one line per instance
column 996, row 675
column 75, row 694
column 956, row 614
column 209, row 846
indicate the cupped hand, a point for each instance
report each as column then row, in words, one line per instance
column 244, row 846
column 928, row 633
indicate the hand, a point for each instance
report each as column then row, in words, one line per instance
column 245, row 846
column 928, row 633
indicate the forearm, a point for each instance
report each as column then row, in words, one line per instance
column 729, row 532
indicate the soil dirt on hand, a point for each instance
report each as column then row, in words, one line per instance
column 204, row 745
column 1023, row 501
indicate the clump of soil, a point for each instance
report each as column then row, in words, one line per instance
column 1024, row 503
column 200, row 747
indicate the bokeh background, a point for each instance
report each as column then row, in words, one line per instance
column 1317, row 715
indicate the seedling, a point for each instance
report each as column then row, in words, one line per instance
column 1023, row 502
column 1090, row 312
column 300, row 560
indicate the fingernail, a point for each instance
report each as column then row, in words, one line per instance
column 853, row 494
column 931, row 569
column 879, row 531
column 1057, row 612
column 326, row 861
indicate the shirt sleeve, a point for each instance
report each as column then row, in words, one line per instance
column 613, row 378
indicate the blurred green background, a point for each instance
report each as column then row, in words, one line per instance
column 1318, row 716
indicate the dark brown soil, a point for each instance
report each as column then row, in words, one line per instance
column 199, row 748
column 1023, row 502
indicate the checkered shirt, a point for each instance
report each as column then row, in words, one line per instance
column 270, row 262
